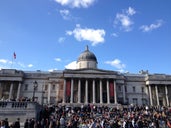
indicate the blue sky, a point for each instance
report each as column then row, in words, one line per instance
column 125, row 35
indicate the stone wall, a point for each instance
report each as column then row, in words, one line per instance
column 23, row 110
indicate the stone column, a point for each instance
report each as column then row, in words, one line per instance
column 42, row 97
column 57, row 93
column 64, row 92
column 94, row 92
column 166, row 93
column 101, row 92
column 79, row 91
column 49, row 92
column 18, row 91
column 123, row 92
column 157, row 95
column 72, row 90
column 0, row 90
column 115, row 95
column 151, row 100
column 86, row 92
column 108, row 92
column 11, row 89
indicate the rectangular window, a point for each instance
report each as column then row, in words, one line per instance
column 119, row 88
column 144, row 101
column 26, row 87
column 54, row 87
column 127, row 100
column 133, row 89
column 52, row 99
column 135, row 101
column 142, row 89
column 46, row 87
column 125, row 88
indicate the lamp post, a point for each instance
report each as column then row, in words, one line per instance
column 35, row 85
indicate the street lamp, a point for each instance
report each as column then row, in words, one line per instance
column 35, row 85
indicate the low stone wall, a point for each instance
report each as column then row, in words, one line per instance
column 22, row 110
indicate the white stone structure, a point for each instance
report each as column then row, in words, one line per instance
column 86, row 85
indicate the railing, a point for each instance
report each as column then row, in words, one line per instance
column 13, row 104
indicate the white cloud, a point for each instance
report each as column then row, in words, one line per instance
column 21, row 64
column 71, row 65
column 123, row 20
column 114, row 34
column 95, row 36
column 61, row 39
column 69, row 33
column 58, row 59
column 3, row 61
column 51, row 70
column 130, row 11
column 30, row 65
column 146, row 28
column 65, row 14
column 76, row 3
column 116, row 63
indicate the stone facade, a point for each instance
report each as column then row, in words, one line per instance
column 88, row 85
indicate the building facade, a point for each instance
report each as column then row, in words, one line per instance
column 85, row 85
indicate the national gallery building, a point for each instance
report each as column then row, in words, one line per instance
column 85, row 85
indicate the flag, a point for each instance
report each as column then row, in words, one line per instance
column 14, row 55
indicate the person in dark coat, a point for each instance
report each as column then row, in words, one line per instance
column 26, row 124
column 6, row 123
column 17, row 123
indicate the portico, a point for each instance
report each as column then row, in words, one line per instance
column 10, row 84
column 87, row 84
column 10, row 90
column 99, row 87
column 158, row 90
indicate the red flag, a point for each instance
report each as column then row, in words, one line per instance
column 14, row 55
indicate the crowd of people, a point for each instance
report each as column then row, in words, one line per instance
column 91, row 116
column 5, row 124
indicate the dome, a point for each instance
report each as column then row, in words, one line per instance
column 87, row 60
column 87, row 56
